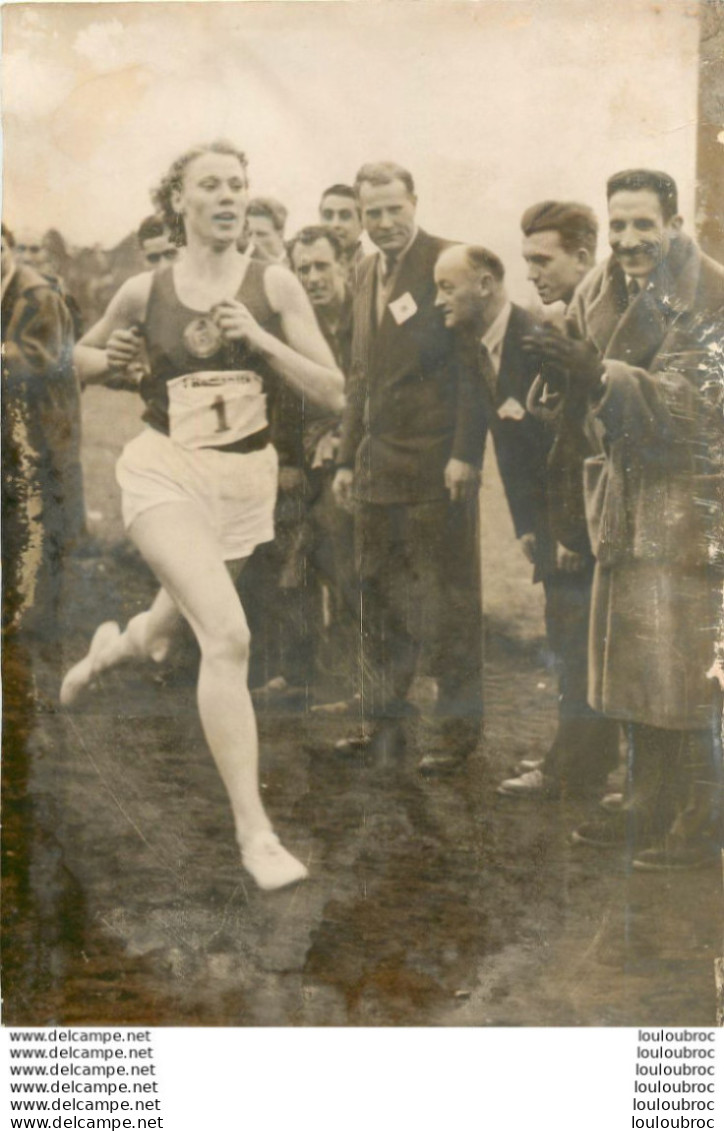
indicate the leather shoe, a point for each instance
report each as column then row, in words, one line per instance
column 601, row 834
column 385, row 742
column 677, row 859
column 527, row 765
column 434, row 765
column 353, row 746
column 612, row 802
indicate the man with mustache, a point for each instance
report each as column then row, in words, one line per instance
column 644, row 359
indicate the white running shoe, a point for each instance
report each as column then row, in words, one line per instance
column 79, row 676
column 270, row 864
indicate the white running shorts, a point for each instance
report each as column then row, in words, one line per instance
column 234, row 492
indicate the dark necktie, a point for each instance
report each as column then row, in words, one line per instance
column 487, row 369
column 633, row 289
column 384, row 285
column 390, row 264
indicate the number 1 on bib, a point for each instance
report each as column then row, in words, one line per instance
column 219, row 408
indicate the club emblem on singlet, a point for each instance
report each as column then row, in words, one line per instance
column 202, row 337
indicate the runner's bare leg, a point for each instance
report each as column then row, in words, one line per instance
column 181, row 550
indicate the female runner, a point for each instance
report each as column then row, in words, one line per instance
column 198, row 485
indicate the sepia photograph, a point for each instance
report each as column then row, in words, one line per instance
column 363, row 514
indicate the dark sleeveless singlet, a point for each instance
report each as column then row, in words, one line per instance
column 166, row 320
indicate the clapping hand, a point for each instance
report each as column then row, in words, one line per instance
column 342, row 487
column 580, row 360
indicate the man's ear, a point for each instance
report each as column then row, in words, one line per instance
column 486, row 284
column 676, row 223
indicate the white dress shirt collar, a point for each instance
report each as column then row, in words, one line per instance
column 382, row 257
column 493, row 337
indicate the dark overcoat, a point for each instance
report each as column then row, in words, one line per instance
column 41, row 402
column 654, row 489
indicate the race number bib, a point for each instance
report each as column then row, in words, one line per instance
column 213, row 409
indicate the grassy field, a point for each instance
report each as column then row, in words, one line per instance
column 430, row 901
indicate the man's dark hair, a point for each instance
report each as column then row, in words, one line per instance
column 270, row 208
column 383, row 173
column 651, row 180
column 339, row 190
column 575, row 223
column 312, row 233
column 8, row 236
column 480, row 259
column 151, row 228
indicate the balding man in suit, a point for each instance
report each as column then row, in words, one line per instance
column 409, row 459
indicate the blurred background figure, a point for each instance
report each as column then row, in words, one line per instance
column 266, row 219
column 42, row 493
column 29, row 250
column 317, row 259
column 156, row 243
column 340, row 212
column 42, row 254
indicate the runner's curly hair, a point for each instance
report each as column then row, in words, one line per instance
column 162, row 194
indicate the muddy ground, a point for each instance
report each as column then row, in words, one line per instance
column 429, row 903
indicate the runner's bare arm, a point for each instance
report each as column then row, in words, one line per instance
column 306, row 363
column 114, row 341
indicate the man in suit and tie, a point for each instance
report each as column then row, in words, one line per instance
column 492, row 335
column 472, row 297
column 409, row 459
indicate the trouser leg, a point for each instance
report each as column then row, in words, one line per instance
column 388, row 649
column 333, row 563
column 653, row 780
column 282, row 610
column 697, row 789
column 446, row 542
column 585, row 748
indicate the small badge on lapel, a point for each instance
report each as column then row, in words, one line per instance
column 403, row 308
column 511, row 410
